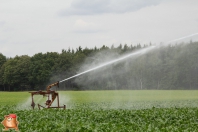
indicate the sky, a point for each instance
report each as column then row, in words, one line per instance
column 28, row 27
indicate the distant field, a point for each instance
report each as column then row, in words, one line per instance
column 13, row 97
column 107, row 96
column 132, row 95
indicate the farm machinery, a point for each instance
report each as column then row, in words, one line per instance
column 51, row 96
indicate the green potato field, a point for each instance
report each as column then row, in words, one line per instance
column 98, row 111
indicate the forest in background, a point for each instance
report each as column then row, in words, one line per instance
column 168, row 67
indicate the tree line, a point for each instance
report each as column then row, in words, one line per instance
column 167, row 67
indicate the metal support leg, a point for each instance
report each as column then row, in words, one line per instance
column 58, row 100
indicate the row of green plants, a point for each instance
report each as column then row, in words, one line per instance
column 84, row 119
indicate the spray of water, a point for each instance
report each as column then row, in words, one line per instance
column 143, row 51
column 140, row 52
column 182, row 38
column 26, row 104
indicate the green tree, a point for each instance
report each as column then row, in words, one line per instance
column 16, row 71
column 42, row 67
column 2, row 62
column 2, row 59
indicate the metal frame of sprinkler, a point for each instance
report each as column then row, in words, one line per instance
column 50, row 94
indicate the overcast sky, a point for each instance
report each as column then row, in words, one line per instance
column 28, row 27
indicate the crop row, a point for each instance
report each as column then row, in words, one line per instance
column 88, row 119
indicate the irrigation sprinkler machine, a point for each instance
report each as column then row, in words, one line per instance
column 51, row 96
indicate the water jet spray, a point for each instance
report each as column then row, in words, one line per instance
column 182, row 38
column 140, row 52
column 143, row 51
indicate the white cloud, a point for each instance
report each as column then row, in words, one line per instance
column 92, row 7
